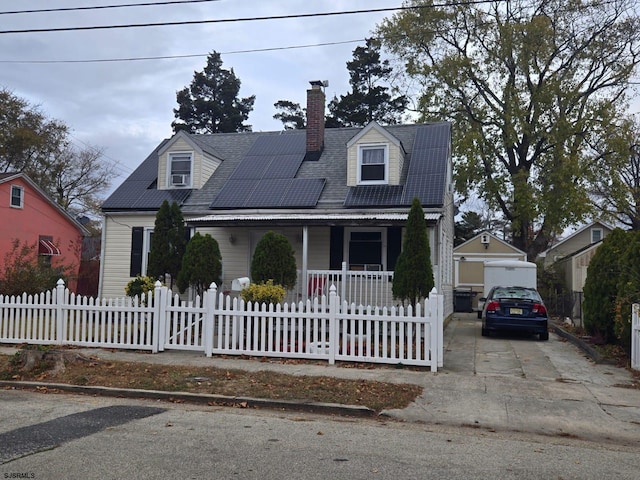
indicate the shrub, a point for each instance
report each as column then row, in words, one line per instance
column 25, row 271
column 266, row 292
column 139, row 286
column 628, row 291
column 601, row 286
column 274, row 259
column 201, row 264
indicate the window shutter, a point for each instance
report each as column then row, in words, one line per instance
column 394, row 246
column 135, row 268
column 336, row 248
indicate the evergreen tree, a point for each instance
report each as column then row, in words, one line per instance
column 628, row 291
column 274, row 259
column 211, row 104
column 201, row 264
column 601, row 286
column 468, row 227
column 413, row 274
column 368, row 99
column 290, row 114
column 167, row 242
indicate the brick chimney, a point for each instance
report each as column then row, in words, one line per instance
column 315, row 117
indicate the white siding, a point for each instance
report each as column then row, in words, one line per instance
column 180, row 145
column 117, row 251
column 208, row 165
column 236, row 257
column 203, row 165
column 396, row 159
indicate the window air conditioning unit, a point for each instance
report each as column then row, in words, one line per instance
column 178, row 180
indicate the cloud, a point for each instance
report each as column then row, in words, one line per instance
column 127, row 107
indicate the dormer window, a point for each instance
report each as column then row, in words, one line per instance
column 373, row 164
column 180, row 170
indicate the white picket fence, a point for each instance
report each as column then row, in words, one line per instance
column 635, row 337
column 323, row 328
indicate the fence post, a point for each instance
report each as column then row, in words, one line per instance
column 635, row 337
column 160, row 313
column 343, row 284
column 436, row 308
column 61, row 327
column 208, row 320
column 333, row 324
column 155, row 322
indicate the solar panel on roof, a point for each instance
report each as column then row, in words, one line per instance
column 428, row 188
column 266, row 174
column 267, row 193
column 283, row 166
column 234, row 193
column 251, row 167
column 427, row 169
column 372, row 195
column 303, row 192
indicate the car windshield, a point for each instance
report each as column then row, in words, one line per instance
column 519, row 293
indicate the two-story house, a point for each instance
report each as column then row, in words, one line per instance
column 339, row 195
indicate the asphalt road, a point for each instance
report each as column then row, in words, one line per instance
column 502, row 407
column 124, row 438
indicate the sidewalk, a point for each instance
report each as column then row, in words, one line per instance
column 559, row 392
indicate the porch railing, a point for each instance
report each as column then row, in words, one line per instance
column 371, row 288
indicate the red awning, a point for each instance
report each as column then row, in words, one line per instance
column 47, row 247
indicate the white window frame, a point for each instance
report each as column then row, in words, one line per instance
column 146, row 248
column 383, row 246
column 593, row 231
column 21, row 190
column 179, row 156
column 373, row 146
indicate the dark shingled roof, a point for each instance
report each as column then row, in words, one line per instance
column 267, row 170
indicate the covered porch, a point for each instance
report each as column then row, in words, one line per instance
column 356, row 251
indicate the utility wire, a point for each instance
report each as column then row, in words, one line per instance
column 245, row 19
column 192, row 55
column 102, row 7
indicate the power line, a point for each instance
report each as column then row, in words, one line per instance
column 245, row 19
column 102, row 7
column 193, row 55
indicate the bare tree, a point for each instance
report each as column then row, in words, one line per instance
column 76, row 179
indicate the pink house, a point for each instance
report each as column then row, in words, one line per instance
column 28, row 214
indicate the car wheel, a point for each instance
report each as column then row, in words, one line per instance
column 485, row 332
column 544, row 336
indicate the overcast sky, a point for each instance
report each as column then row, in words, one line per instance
column 126, row 107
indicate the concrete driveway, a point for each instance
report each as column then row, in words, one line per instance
column 517, row 383
column 467, row 352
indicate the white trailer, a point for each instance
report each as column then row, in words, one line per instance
column 507, row 273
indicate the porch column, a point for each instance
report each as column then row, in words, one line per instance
column 305, row 252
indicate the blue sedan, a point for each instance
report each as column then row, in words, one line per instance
column 515, row 309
